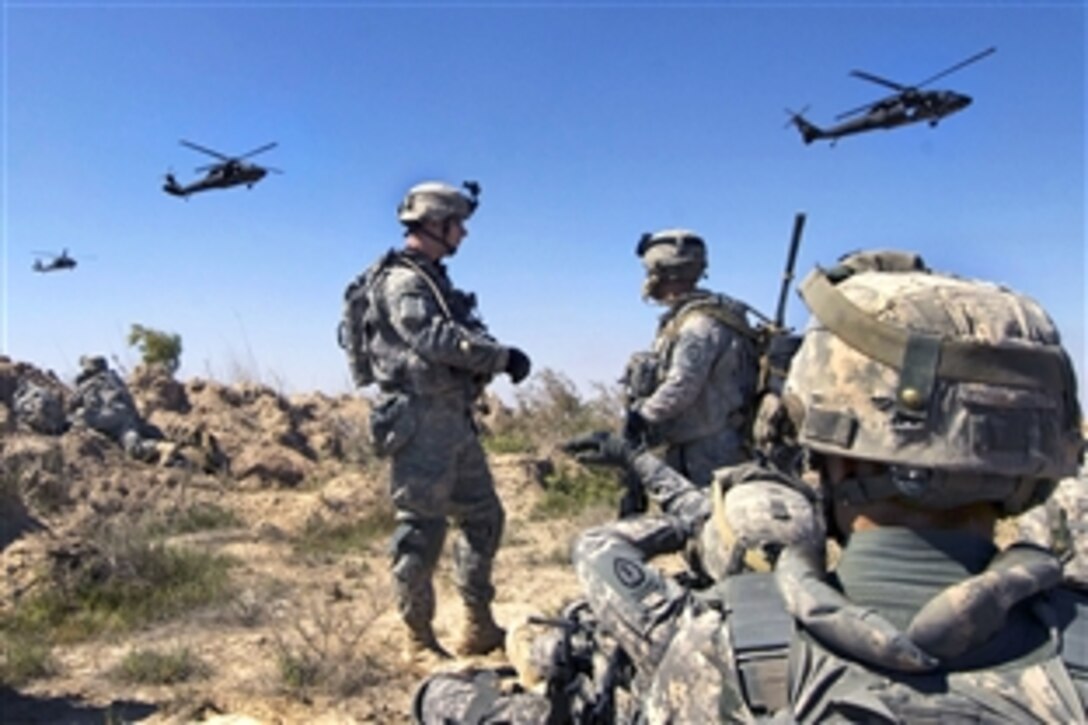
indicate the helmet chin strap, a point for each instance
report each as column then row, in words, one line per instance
column 440, row 240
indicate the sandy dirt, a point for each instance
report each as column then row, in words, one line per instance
column 292, row 461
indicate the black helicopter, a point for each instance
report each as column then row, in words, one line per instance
column 230, row 171
column 58, row 262
column 909, row 104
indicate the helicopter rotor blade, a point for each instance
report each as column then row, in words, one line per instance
column 209, row 167
column 877, row 79
column 862, row 108
column 977, row 56
column 208, row 151
column 259, row 150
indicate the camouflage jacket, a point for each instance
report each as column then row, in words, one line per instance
column 103, row 402
column 977, row 647
column 429, row 340
column 1061, row 524
column 708, row 369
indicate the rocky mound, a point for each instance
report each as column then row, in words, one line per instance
column 289, row 474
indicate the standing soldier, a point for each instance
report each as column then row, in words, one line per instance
column 408, row 329
column 695, row 390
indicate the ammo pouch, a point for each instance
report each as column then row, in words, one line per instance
column 392, row 423
column 640, row 378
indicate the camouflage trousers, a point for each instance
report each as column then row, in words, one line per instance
column 698, row 459
column 476, row 697
column 441, row 475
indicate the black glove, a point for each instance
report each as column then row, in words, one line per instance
column 601, row 449
column 635, row 429
column 518, row 365
column 634, row 501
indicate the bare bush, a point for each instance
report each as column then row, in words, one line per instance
column 319, row 647
column 549, row 411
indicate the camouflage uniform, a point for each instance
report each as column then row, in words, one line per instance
column 39, row 407
column 433, row 368
column 475, row 698
column 706, row 364
column 913, row 625
column 431, row 357
column 103, row 403
column 1061, row 524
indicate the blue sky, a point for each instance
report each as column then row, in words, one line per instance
column 586, row 125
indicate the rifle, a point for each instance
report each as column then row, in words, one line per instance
column 578, row 693
column 774, row 351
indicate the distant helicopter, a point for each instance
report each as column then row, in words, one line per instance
column 909, row 104
column 231, row 171
column 58, row 262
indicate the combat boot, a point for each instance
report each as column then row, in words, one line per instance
column 481, row 634
column 422, row 646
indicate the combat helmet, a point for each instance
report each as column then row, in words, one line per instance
column 961, row 387
column 91, row 364
column 755, row 514
column 438, row 200
column 671, row 254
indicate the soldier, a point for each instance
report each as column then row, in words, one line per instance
column 929, row 406
column 419, row 338
column 103, row 402
column 695, row 391
column 568, row 669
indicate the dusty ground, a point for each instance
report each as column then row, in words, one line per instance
column 292, row 461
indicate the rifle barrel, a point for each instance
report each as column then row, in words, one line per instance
column 787, row 275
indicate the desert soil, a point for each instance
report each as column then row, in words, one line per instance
column 294, row 460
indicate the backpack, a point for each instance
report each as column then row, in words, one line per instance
column 359, row 324
column 357, row 329
column 762, row 633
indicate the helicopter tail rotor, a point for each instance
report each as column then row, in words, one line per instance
column 171, row 185
column 794, row 115
column 808, row 130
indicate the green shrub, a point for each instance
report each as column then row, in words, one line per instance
column 23, row 658
column 319, row 536
column 196, row 517
column 123, row 585
column 574, row 490
column 152, row 667
column 548, row 411
column 156, row 347
column 513, row 441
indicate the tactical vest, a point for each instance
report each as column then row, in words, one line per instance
column 359, row 325
column 727, row 311
column 771, row 654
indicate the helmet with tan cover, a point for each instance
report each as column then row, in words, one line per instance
column 755, row 514
column 671, row 255
column 438, row 201
column 961, row 387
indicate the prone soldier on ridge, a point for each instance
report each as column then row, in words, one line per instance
column 410, row 331
column 103, row 403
